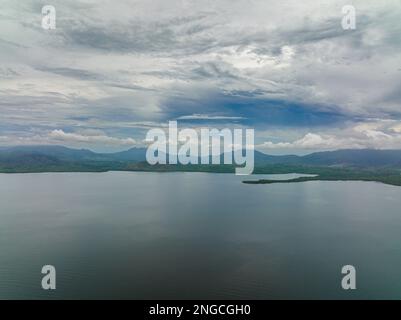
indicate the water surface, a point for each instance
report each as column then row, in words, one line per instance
column 140, row 235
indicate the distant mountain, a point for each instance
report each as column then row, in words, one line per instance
column 133, row 154
column 69, row 154
column 350, row 157
column 263, row 159
column 42, row 158
column 59, row 152
column 358, row 158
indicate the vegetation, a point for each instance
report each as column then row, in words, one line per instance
column 364, row 165
column 387, row 176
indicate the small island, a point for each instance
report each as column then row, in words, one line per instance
column 389, row 177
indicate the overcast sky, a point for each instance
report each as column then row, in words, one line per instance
column 113, row 69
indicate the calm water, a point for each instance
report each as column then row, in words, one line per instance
column 196, row 235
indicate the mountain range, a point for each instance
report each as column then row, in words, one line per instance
column 49, row 155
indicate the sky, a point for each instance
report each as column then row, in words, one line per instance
column 112, row 70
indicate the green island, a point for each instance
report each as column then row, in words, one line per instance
column 386, row 176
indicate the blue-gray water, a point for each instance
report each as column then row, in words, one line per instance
column 195, row 235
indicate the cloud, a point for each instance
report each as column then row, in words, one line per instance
column 309, row 141
column 88, row 138
column 198, row 116
column 60, row 135
column 372, row 135
column 113, row 66
column 71, row 72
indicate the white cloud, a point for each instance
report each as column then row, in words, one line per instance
column 311, row 141
column 371, row 135
column 88, row 139
column 60, row 135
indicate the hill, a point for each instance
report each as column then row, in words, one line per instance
column 368, row 165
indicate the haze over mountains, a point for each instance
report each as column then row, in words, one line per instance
column 31, row 157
